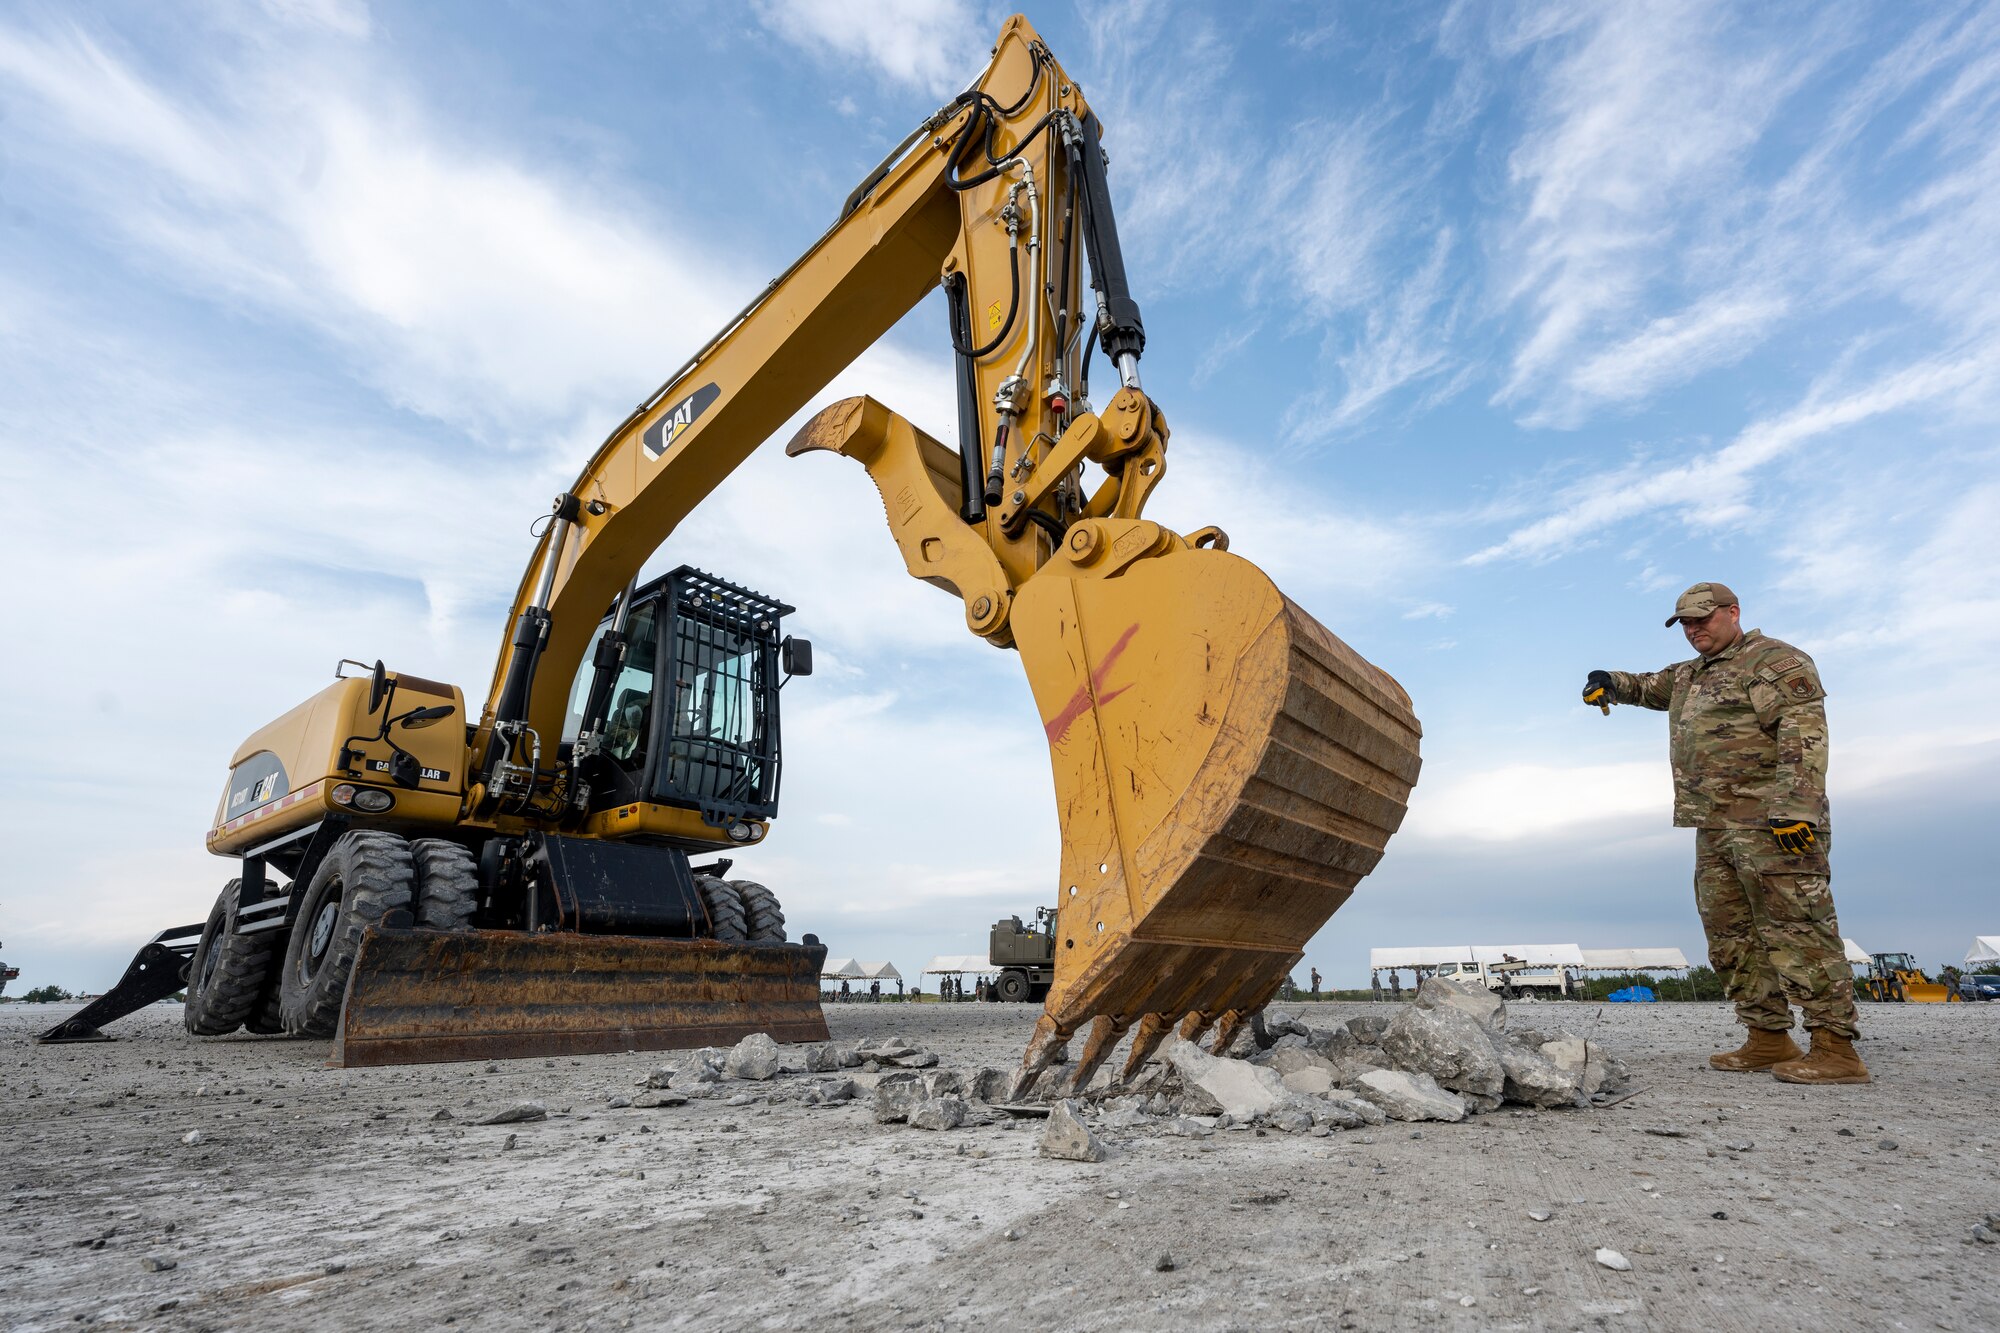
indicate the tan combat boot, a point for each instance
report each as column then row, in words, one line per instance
column 1760, row 1050
column 1832, row 1061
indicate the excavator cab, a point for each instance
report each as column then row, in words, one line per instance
column 692, row 715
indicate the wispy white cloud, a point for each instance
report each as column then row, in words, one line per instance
column 337, row 204
column 1710, row 488
column 1714, row 331
column 935, row 46
column 1637, row 132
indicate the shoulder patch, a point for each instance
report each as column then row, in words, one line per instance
column 1801, row 687
column 1786, row 663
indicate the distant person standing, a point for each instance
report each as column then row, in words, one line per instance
column 844, row 992
column 1746, row 728
column 1315, row 980
column 1395, row 985
column 1375, row 984
column 875, row 992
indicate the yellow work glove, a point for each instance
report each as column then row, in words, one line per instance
column 1794, row 836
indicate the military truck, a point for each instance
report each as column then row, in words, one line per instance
column 1024, row 956
column 7, row 974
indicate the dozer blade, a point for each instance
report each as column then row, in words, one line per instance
column 1226, row 771
column 419, row 996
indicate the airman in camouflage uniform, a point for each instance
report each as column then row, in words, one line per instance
column 1748, row 740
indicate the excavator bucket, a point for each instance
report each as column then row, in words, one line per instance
column 1226, row 771
column 420, row 996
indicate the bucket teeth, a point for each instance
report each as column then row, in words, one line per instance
column 1098, row 1044
column 1044, row 1049
column 1225, row 1031
column 1193, row 1024
column 1146, row 1039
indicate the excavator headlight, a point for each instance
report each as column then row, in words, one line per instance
column 743, row 830
column 372, row 799
column 343, row 794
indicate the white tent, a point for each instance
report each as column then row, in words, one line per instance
column 1634, row 960
column 1534, row 955
column 1985, row 949
column 1855, row 953
column 880, row 972
column 958, row 964
column 1426, row 956
column 841, row 969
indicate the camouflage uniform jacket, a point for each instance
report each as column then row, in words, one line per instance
column 1747, row 733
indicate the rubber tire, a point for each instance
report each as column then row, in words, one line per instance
column 447, row 884
column 763, row 919
column 1014, row 988
column 365, row 876
column 235, row 967
column 725, row 909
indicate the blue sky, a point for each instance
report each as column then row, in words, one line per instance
column 1483, row 328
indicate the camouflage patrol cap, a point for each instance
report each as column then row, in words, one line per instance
column 1699, row 601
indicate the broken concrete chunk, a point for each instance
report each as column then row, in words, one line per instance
column 1368, row 1028
column 1285, row 1060
column 1240, row 1089
column 988, row 1085
column 1448, row 1044
column 947, row 1112
column 1482, row 1006
column 897, row 1094
column 1535, row 1080
column 1407, row 1096
column 1310, row 1082
column 754, row 1058
column 1582, row 1060
column 518, row 1113
column 1190, row 1127
column 1067, row 1138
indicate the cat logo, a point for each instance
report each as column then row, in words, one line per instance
column 672, row 423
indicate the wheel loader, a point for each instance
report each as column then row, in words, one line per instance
column 1896, row 978
column 424, row 882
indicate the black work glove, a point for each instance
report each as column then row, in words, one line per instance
column 1597, row 688
column 1794, row 836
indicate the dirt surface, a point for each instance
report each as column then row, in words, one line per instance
column 337, row 1199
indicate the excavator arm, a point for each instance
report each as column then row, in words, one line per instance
column 1225, row 769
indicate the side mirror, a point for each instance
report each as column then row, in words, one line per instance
column 424, row 717
column 404, row 770
column 378, row 686
column 796, row 655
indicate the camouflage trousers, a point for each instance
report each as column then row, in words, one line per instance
column 1772, row 934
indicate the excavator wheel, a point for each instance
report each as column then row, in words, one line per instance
column 226, row 978
column 365, row 876
column 447, row 884
column 725, row 908
column 762, row 917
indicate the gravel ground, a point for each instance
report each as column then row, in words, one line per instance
column 337, row 1199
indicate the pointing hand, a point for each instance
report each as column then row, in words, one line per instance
column 1597, row 690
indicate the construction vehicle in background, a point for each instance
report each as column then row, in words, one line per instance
column 7, row 974
column 429, row 885
column 1895, row 977
column 1023, row 957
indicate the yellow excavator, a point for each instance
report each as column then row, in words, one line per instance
column 422, row 884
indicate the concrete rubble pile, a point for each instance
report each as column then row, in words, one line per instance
column 1450, row 1054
